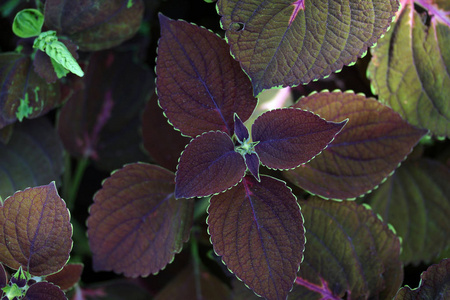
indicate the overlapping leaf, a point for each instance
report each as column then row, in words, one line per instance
column 208, row 165
column 372, row 144
column 199, row 85
column 44, row 291
column 95, row 24
column 415, row 200
column 23, row 93
column 135, row 225
column 102, row 120
column 32, row 157
column 349, row 252
column 35, row 231
column 257, row 228
column 290, row 137
column 409, row 67
column 67, row 277
column 288, row 42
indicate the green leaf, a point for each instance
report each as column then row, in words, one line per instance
column 416, row 201
column 28, row 23
column 409, row 68
column 288, row 42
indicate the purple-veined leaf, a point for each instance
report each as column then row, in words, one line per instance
column 416, row 201
column 200, row 86
column 350, row 251
column 94, row 24
column 409, row 66
column 208, row 165
column 135, row 225
column 3, row 277
column 35, row 231
column 240, row 130
column 44, row 291
column 32, row 157
column 23, row 94
column 185, row 284
column 252, row 163
column 290, row 137
column 257, row 228
column 67, row 277
column 372, row 144
column 162, row 142
column 433, row 284
column 102, row 120
column 289, row 42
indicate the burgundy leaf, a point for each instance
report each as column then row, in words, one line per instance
column 291, row 137
column 200, row 86
column 94, row 24
column 67, row 277
column 44, row 291
column 3, row 277
column 35, row 231
column 102, row 120
column 371, row 146
column 252, row 162
column 257, row 228
column 208, row 165
column 240, row 130
column 162, row 142
column 135, row 225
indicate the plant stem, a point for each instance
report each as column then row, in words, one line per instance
column 75, row 182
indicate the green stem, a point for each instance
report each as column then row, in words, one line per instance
column 75, row 182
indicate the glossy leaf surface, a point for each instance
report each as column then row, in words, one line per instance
column 349, row 251
column 32, row 157
column 208, row 165
column 200, row 86
column 372, row 144
column 94, row 24
column 44, row 291
column 409, row 68
column 35, row 231
column 67, row 277
column 288, row 138
column 415, row 200
column 257, row 228
column 102, row 120
column 23, row 94
column 433, row 284
column 288, row 42
column 135, row 225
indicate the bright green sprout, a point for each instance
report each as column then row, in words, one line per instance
column 28, row 23
column 246, row 147
column 130, row 3
column 48, row 43
column 24, row 110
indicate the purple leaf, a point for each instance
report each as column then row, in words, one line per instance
column 288, row 138
column 350, row 251
column 208, row 165
column 94, row 24
column 67, row 277
column 35, row 231
column 372, row 144
column 257, row 228
column 135, row 225
column 44, row 291
column 433, row 284
column 252, row 162
column 33, row 156
column 3, row 277
column 240, row 130
column 200, row 86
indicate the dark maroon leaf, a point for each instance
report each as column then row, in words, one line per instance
column 350, row 251
column 288, row 138
column 257, row 228
column 3, row 277
column 44, row 291
column 102, row 120
column 240, row 130
column 434, row 284
column 6, row 133
column 115, row 290
column 162, row 142
column 371, row 146
column 208, row 165
column 135, row 225
column 67, row 277
column 35, row 231
column 33, row 156
column 200, row 86
column 252, row 162
column 23, row 93
column 94, row 24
